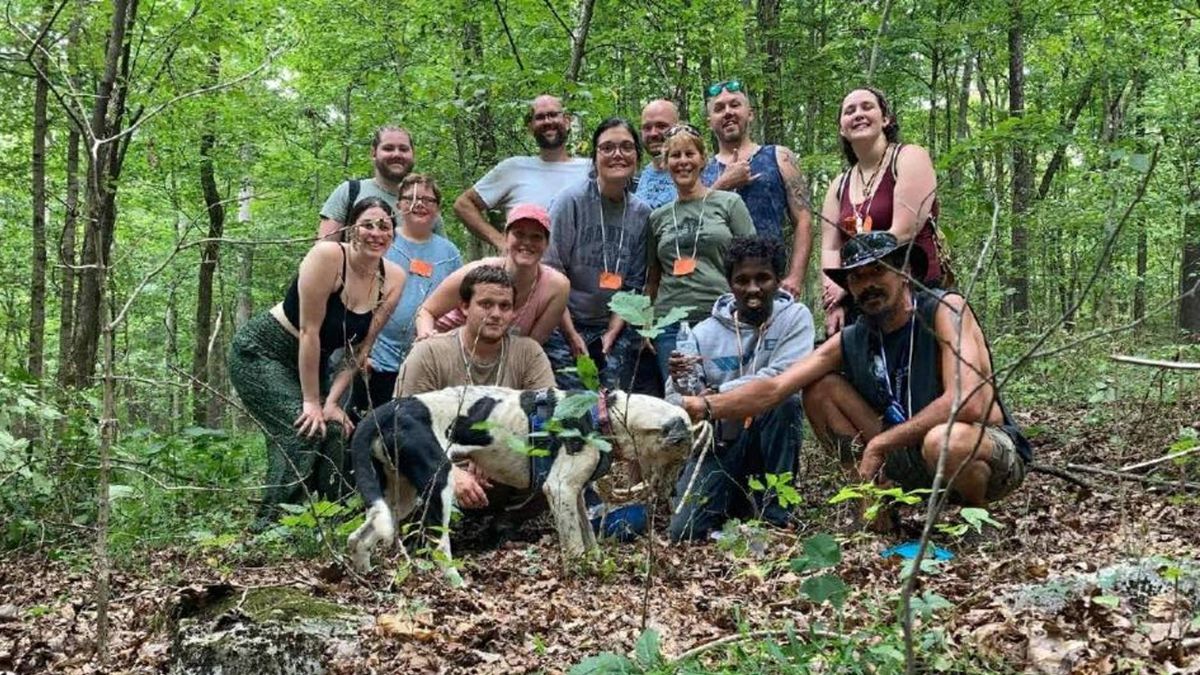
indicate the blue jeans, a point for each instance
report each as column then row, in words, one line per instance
column 770, row 446
column 616, row 369
column 664, row 344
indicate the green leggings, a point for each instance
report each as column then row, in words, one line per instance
column 263, row 365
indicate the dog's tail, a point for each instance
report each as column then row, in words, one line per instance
column 377, row 427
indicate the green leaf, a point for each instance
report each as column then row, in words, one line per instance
column 1110, row 601
column 756, row 484
column 822, row 550
column 116, row 492
column 826, row 587
column 846, row 494
column 588, row 373
column 575, row 405
column 605, row 663
column 634, row 308
column 649, row 654
column 977, row 517
column 1139, row 162
column 676, row 315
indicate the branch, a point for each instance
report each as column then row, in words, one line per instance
column 1157, row 482
column 511, row 43
column 1170, row 365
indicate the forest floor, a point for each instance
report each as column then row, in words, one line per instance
column 521, row 611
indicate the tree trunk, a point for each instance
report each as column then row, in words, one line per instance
column 36, row 365
column 1022, row 171
column 1143, row 254
column 66, row 255
column 104, row 168
column 769, row 103
column 210, row 253
column 579, row 40
column 485, row 128
column 935, row 66
column 963, row 125
column 245, row 280
column 1189, row 269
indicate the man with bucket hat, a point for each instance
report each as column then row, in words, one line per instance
column 911, row 377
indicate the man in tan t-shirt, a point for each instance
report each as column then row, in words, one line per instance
column 481, row 352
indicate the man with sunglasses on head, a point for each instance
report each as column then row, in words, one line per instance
column 767, row 177
column 911, row 379
column 392, row 159
column 532, row 179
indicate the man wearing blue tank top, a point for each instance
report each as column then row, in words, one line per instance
column 767, row 177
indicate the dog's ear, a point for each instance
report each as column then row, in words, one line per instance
column 462, row 432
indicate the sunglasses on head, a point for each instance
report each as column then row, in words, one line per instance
column 731, row 86
column 682, row 129
column 380, row 224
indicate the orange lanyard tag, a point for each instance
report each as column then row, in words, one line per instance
column 420, row 268
column 684, row 267
column 610, row 281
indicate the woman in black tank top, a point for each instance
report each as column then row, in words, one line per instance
column 870, row 137
column 339, row 299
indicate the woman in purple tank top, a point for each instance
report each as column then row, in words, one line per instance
column 889, row 186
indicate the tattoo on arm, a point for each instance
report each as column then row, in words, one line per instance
column 796, row 185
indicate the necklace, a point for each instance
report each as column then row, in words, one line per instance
column 699, row 228
column 520, row 311
column 862, row 218
column 496, row 368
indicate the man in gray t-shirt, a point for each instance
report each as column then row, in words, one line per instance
column 532, row 179
column 392, row 159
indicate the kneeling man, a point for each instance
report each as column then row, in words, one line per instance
column 481, row 351
column 754, row 333
column 892, row 381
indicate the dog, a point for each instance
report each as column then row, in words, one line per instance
column 414, row 440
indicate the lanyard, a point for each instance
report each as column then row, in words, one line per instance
column 699, row 227
column 906, row 363
column 604, row 233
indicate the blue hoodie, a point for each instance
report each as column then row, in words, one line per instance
column 766, row 350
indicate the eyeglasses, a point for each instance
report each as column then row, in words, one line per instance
column 379, row 224
column 682, row 129
column 731, row 86
column 428, row 201
column 610, row 149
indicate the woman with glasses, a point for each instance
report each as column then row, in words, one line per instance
column 541, row 291
column 339, row 299
column 428, row 258
column 688, row 237
column 598, row 240
column 889, row 187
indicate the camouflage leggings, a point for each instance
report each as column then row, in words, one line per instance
column 263, row 365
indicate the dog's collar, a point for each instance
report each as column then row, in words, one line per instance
column 604, row 419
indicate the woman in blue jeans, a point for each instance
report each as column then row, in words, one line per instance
column 687, row 240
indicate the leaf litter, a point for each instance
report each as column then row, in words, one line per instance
column 1098, row 584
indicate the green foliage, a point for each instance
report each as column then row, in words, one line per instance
column 637, row 310
column 779, row 486
column 877, row 497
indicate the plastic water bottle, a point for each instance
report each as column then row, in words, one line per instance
column 685, row 344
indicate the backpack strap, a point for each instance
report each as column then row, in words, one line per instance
column 841, row 190
column 895, row 160
column 351, row 199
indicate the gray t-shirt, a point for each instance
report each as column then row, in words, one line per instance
column 528, row 180
column 338, row 204
column 590, row 235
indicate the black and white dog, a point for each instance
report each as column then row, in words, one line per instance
column 414, row 440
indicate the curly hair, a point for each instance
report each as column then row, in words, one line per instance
column 485, row 274
column 769, row 249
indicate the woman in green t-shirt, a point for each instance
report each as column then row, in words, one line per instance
column 688, row 238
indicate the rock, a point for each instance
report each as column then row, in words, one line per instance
column 266, row 630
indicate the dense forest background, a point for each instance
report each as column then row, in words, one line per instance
column 162, row 163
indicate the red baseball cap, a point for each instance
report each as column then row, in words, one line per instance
column 532, row 212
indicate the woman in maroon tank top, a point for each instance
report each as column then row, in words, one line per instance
column 888, row 186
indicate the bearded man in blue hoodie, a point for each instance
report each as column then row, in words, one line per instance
column 755, row 332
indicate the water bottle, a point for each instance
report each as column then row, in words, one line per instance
column 685, row 344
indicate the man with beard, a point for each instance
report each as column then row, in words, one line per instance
column 392, row 157
column 754, row 333
column 767, row 177
column 480, row 352
column 533, row 179
column 911, row 379
column 655, row 186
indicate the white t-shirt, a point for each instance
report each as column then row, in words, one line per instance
column 529, row 180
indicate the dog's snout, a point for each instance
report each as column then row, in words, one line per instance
column 676, row 430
